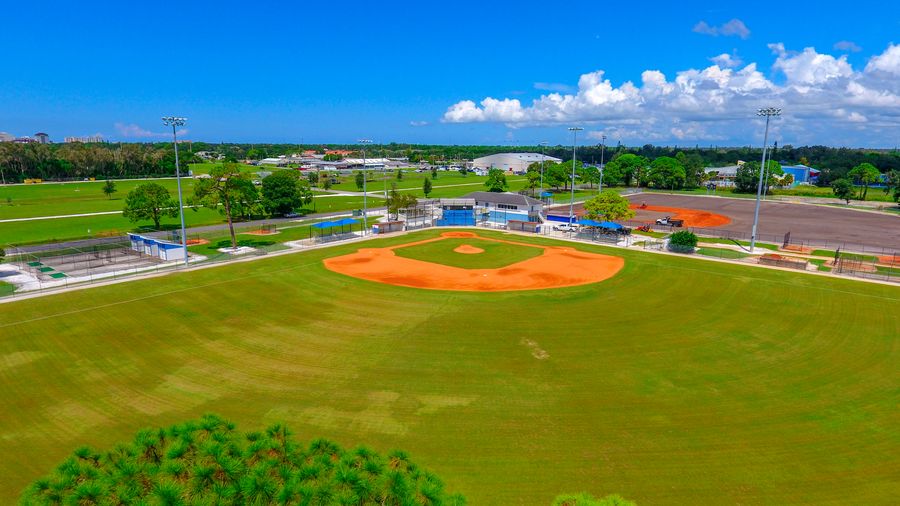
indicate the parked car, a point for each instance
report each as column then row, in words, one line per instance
column 291, row 215
column 566, row 227
column 670, row 222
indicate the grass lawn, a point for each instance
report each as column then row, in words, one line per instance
column 6, row 288
column 721, row 253
column 820, row 264
column 206, row 167
column 721, row 240
column 496, row 254
column 57, row 199
column 719, row 400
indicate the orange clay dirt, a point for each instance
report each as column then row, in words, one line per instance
column 468, row 249
column 691, row 217
column 556, row 267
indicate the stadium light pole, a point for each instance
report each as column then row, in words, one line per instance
column 543, row 145
column 365, row 202
column 574, row 131
column 768, row 112
column 602, row 149
column 175, row 122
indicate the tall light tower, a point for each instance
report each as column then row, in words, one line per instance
column 602, row 150
column 768, row 112
column 543, row 145
column 574, row 131
column 365, row 176
column 176, row 122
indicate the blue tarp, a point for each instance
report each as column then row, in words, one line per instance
column 601, row 224
column 335, row 224
column 346, row 221
column 546, row 194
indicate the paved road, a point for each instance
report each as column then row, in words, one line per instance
column 820, row 225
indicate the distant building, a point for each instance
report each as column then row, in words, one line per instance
column 24, row 140
column 802, row 174
column 724, row 176
column 499, row 207
column 6, row 137
column 85, row 139
column 339, row 152
column 42, row 138
column 511, row 162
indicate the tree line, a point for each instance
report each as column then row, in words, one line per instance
column 78, row 161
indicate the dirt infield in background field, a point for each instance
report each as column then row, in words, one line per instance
column 691, row 217
column 197, row 242
column 557, row 267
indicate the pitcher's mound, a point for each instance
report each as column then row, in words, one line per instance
column 468, row 249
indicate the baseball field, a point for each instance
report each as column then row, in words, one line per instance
column 674, row 381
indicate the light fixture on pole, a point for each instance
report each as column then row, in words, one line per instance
column 574, row 131
column 365, row 202
column 602, row 149
column 176, row 122
column 768, row 112
column 543, row 145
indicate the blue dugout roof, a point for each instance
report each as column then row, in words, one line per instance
column 601, row 224
column 333, row 224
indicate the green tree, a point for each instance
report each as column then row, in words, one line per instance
column 842, row 189
column 312, row 177
column 533, row 178
column 866, row 174
column 209, row 461
column 149, row 201
column 628, row 166
column 399, row 175
column 893, row 184
column 464, row 171
column 666, row 172
column 434, row 173
column 398, row 200
column 226, row 188
column 787, row 180
column 283, row 191
column 426, row 187
column 326, row 181
column 609, row 205
column 332, row 157
column 555, row 175
column 360, row 180
column 590, row 175
column 585, row 499
column 496, row 181
column 693, row 168
column 683, row 241
column 109, row 187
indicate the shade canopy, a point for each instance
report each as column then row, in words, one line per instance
column 600, row 224
column 334, row 224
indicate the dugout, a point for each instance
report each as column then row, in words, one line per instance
column 523, row 226
column 385, row 227
column 331, row 230
column 457, row 212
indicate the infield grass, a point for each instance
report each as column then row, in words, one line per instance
column 495, row 255
column 678, row 381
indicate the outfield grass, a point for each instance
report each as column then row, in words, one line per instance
column 6, row 288
column 722, row 240
column 722, row 253
column 495, row 255
column 678, row 381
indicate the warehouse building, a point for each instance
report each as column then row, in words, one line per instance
column 516, row 163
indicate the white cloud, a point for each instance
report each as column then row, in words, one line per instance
column 818, row 92
column 132, row 130
column 726, row 60
column 888, row 61
column 735, row 27
column 847, row 45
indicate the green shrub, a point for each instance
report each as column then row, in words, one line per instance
column 682, row 241
column 208, row 461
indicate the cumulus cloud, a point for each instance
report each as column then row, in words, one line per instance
column 735, row 27
column 846, row 45
column 818, row 92
column 134, row 131
column 727, row 61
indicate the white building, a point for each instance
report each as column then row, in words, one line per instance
column 42, row 138
column 6, row 137
column 514, row 162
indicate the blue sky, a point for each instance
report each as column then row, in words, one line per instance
column 416, row 72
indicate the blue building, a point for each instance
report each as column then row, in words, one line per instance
column 802, row 174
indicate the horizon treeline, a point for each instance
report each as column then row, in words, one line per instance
column 72, row 161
